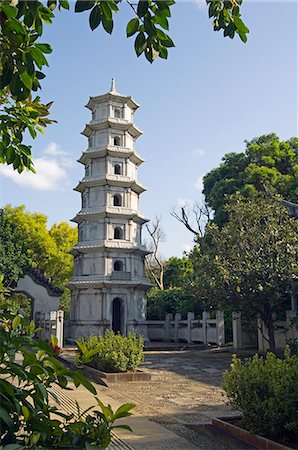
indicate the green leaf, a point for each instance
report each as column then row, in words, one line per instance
column 149, row 26
column 6, row 76
column 162, row 21
column 243, row 37
column 10, row 11
column 123, row 411
column 10, row 155
column 142, row 8
column 106, row 10
column 16, row 322
column 26, row 412
column 38, row 57
column 6, row 418
column 45, row 48
column 84, row 5
column 140, row 43
column 108, row 25
column 241, row 27
column 64, row 4
column 28, row 60
column 17, row 26
column 35, row 437
column 95, row 17
column 132, row 27
column 40, row 75
column 79, row 378
column 26, row 79
column 163, row 52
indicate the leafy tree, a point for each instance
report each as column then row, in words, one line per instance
column 14, row 256
column 23, row 56
column 32, row 244
column 177, row 295
column 251, row 263
column 178, row 272
column 267, row 165
column 171, row 301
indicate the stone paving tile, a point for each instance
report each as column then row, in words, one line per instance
column 185, row 389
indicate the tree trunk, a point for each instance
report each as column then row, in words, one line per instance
column 270, row 329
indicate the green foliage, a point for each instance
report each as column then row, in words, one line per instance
column 177, row 295
column 25, row 241
column 178, row 272
column 267, row 164
column 28, row 369
column 14, row 256
column 171, row 301
column 227, row 17
column 293, row 346
column 251, row 263
column 23, row 57
column 265, row 390
column 111, row 352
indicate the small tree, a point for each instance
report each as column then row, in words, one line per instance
column 252, row 262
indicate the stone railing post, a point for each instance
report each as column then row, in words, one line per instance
column 205, row 317
column 169, row 317
column 220, row 327
column 237, row 331
column 59, row 327
column 176, row 327
column 190, row 318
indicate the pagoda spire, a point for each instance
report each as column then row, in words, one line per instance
column 113, row 87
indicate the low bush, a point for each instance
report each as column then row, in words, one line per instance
column 28, row 419
column 265, row 391
column 111, row 352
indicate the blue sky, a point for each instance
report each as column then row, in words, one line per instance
column 205, row 100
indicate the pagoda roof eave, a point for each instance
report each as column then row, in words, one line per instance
column 110, row 96
column 126, row 126
column 111, row 181
column 107, row 246
column 113, row 150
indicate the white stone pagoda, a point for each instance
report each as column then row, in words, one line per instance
column 108, row 290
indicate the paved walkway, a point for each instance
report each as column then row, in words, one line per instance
column 185, row 390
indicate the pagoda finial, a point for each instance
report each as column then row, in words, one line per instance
column 113, row 86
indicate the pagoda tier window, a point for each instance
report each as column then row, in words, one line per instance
column 118, row 233
column 117, row 140
column 117, row 200
column 117, row 113
column 118, row 266
column 117, row 169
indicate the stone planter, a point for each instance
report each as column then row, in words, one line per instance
column 259, row 442
column 103, row 378
column 116, row 377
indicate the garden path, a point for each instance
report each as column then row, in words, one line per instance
column 184, row 391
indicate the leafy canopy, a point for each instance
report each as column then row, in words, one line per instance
column 267, row 165
column 251, row 263
column 23, row 55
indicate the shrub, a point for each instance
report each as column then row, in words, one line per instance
column 265, row 390
column 28, row 369
column 112, row 352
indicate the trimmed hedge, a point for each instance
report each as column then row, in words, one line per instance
column 265, row 391
column 112, row 352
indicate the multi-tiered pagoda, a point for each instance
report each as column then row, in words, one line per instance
column 108, row 290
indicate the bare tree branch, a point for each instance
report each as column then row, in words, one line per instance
column 200, row 213
column 155, row 260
